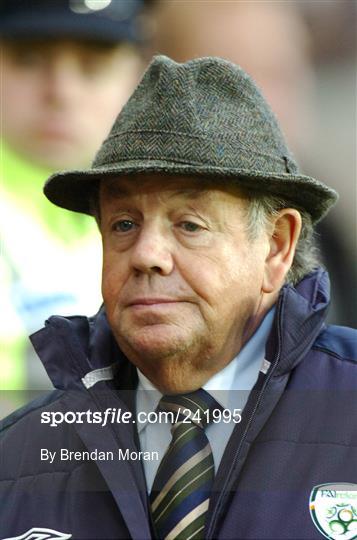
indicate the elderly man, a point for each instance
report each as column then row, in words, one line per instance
column 206, row 399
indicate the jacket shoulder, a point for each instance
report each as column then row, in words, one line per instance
column 29, row 409
column 339, row 341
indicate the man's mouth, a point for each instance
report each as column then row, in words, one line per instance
column 147, row 302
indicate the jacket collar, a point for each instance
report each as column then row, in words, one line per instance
column 299, row 318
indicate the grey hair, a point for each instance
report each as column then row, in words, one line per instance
column 262, row 208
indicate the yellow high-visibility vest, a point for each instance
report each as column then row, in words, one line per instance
column 50, row 263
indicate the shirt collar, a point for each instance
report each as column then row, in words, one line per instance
column 242, row 372
column 147, row 397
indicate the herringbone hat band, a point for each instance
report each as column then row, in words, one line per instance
column 204, row 118
column 182, row 486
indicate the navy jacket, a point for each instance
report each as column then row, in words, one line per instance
column 298, row 430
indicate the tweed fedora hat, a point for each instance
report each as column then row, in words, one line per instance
column 204, row 118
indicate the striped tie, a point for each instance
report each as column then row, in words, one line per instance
column 181, row 490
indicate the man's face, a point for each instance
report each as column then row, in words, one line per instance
column 181, row 280
column 60, row 98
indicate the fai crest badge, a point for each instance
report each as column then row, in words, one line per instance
column 333, row 509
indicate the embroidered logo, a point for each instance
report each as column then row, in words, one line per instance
column 333, row 509
column 39, row 533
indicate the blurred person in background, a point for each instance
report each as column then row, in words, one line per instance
column 277, row 43
column 65, row 67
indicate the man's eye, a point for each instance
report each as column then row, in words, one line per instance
column 123, row 226
column 189, row 226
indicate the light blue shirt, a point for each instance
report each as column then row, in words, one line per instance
column 230, row 387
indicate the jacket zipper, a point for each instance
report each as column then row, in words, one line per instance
column 219, row 504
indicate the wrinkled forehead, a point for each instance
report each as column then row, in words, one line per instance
column 167, row 185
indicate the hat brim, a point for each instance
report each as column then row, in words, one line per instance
column 74, row 190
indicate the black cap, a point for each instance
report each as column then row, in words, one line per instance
column 99, row 20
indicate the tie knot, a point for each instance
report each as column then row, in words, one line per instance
column 195, row 407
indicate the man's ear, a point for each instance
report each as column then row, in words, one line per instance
column 283, row 237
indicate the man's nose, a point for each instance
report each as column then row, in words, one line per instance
column 152, row 251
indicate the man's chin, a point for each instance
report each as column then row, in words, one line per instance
column 167, row 356
column 154, row 342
